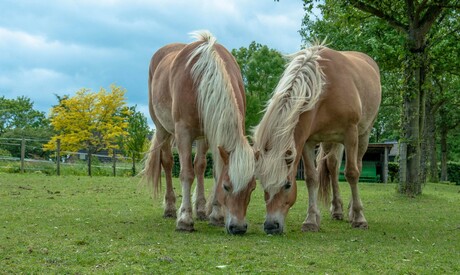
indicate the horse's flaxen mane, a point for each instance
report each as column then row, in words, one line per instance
column 298, row 91
column 221, row 119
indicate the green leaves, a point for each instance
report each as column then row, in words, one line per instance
column 88, row 119
column 261, row 68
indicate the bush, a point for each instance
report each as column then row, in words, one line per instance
column 453, row 172
column 393, row 171
column 176, row 167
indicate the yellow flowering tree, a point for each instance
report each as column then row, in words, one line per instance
column 89, row 120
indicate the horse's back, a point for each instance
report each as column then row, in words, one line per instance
column 230, row 67
column 351, row 94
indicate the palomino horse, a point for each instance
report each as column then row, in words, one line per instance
column 323, row 96
column 196, row 93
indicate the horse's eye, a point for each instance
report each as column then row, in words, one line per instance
column 226, row 188
column 287, row 185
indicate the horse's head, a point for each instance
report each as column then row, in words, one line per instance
column 278, row 205
column 235, row 196
column 280, row 189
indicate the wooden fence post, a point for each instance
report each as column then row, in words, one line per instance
column 23, row 153
column 58, row 157
column 89, row 160
column 114, row 164
column 134, row 165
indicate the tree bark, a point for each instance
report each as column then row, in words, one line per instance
column 444, row 132
column 430, row 138
column 410, row 182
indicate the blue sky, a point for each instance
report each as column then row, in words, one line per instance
column 59, row 46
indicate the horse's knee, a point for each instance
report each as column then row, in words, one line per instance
column 186, row 176
column 199, row 165
column 352, row 174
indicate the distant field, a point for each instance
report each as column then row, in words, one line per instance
column 84, row 225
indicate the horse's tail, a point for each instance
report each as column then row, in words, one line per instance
column 324, row 191
column 152, row 167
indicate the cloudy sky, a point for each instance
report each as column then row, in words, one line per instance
column 59, row 46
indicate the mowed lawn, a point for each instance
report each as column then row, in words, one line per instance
column 84, row 225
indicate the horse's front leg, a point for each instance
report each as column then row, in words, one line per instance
column 184, row 145
column 215, row 210
column 200, row 168
column 313, row 219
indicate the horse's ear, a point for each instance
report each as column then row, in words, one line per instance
column 289, row 159
column 257, row 154
column 224, row 154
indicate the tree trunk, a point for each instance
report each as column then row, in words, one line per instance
column 444, row 154
column 430, row 138
column 413, row 113
column 90, row 156
column 134, row 164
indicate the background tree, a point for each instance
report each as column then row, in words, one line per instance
column 91, row 121
column 137, row 140
column 261, row 68
column 19, row 119
column 414, row 28
column 19, row 114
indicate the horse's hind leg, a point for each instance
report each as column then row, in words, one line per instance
column 333, row 163
column 313, row 220
column 200, row 167
column 355, row 149
column 170, row 196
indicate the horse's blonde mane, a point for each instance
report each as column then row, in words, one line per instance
column 298, row 91
column 221, row 119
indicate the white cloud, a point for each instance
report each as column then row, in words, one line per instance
column 60, row 46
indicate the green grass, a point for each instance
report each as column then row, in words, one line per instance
column 83, row 225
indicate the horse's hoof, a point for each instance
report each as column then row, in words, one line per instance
column 217, row 221
column 337, row 216
column 201, row 215
column 184, row 227
column 171, row 213
column 360, row 225
column 310, row 227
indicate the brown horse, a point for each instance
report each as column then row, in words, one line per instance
column 196, row 93
column 323, row 96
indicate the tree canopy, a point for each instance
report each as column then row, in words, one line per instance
column 19, row 113
column 261, row 68
column 404, row 37
column 89, row 120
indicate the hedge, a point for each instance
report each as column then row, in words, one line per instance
column 453, row 171
column 176, row 166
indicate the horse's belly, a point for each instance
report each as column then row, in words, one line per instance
column 164, row 117
column 327, row 137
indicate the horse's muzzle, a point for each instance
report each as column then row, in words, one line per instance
column 236, row 229
column 272, row 227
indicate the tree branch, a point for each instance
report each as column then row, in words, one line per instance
column 380, row 14
column 429, row 18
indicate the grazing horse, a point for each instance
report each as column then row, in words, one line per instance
column 196, row 92
column 323, row 96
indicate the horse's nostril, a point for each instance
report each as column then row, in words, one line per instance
column 236, row 230
column 272, row 227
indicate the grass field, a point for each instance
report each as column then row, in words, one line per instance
column 84, row 225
